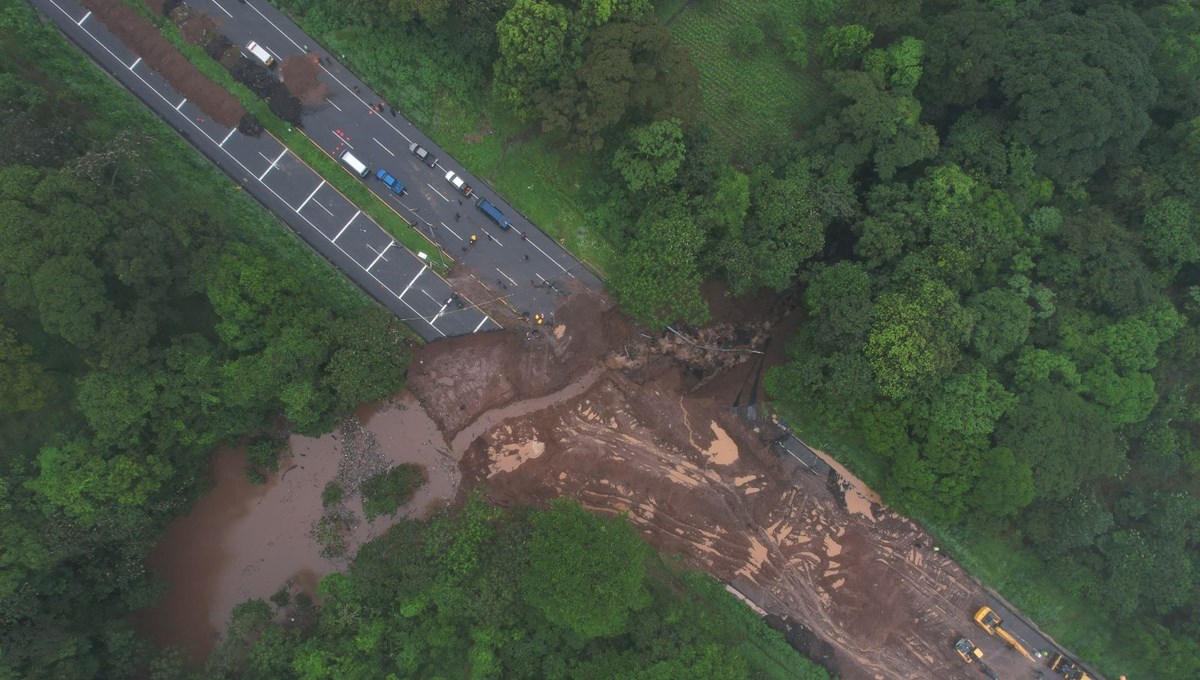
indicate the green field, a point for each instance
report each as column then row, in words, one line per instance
column 752, row 98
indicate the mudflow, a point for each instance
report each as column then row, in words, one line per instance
column 631, row 422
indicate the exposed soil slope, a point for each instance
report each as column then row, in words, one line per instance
column 145, row 39
column 642, row 424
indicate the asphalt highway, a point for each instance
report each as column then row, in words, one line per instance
column 522, row 266
column 320, row 215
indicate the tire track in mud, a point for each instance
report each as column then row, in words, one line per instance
column 622, row 429
column 888, row 608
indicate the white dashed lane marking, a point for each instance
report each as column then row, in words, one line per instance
column 381, row 144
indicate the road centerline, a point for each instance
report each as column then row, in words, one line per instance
column 382, row 146
column 435, row 190
column 223, row 9
column 510, row 280
column 451, row 230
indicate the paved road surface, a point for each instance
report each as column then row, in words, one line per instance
column 320, row 215
column 515, row 269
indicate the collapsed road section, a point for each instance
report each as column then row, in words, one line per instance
column 325, row 219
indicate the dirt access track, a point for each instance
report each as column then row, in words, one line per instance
column 631, row 423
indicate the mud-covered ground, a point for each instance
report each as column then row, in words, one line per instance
column 627, row 421
column 145, row 39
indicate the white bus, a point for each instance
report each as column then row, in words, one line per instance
column 354, row 164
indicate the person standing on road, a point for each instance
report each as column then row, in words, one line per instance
column 474, row 238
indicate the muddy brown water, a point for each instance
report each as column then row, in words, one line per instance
column 243, row 541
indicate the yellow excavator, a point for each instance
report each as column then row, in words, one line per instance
column 968, row 651
column 1069, row 669
column 990, row 621
column 973, row 655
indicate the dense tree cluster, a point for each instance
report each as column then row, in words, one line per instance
column 559, row 593
column 1014, row 333
column 149, row 313
column 991, row 212
column 992, row 216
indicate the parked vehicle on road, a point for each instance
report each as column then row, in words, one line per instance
column 392, row 183
column 458, row 183
column 423, row 153
column 991, row 622
column 968, row 651
column 354, row 164
column 492, row 212
column 262, row 55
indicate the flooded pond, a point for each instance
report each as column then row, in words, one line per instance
column 244, row 541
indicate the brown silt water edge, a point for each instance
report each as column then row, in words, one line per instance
column 192, row 556
column 243, row 541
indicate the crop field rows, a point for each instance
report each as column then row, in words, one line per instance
column 753, row 96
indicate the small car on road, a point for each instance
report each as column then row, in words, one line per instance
column 458, row 183
column 423, row 153
column 392, row 183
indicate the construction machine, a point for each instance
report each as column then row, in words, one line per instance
column 991, row 622
column 1068, row 669
column 973, row 655
column 968, row 651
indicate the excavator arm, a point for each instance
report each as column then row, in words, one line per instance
column 991, row 622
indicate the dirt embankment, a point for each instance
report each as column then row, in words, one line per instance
column 145, row 39
column 642, row 424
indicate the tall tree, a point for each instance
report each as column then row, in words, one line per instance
column 24, row 384
column 916, row 337
column 532, row 37
column 658, row 279
column 1066, row 440
column 651, row 157
column 1081, row 84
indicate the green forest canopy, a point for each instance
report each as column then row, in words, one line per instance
column 990, row 209
column 149, row 314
